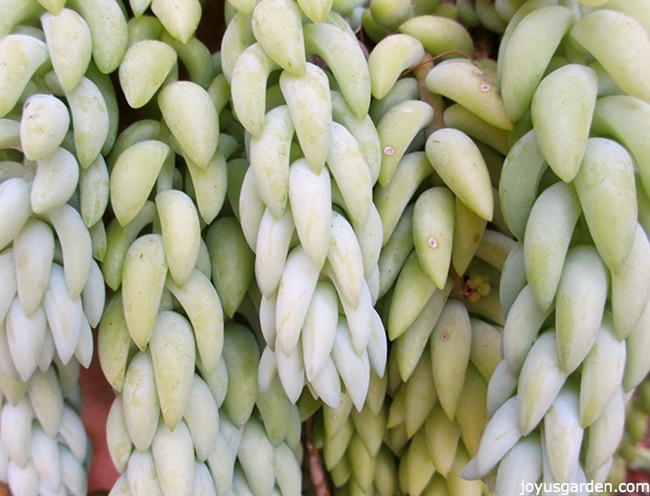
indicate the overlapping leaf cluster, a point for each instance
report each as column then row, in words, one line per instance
column 350, row 216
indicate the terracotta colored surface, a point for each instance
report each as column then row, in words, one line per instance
column 97, row 399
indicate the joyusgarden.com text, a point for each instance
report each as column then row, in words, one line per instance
column 579, row 488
